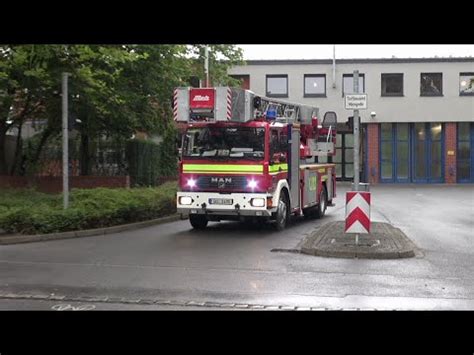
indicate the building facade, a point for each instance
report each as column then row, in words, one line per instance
column 419, row 125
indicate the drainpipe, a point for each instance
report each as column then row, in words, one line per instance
column 334, row 66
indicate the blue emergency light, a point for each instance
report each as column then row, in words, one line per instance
column 271, row 114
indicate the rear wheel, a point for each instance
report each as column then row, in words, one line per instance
column 323, row 201
column 198, row 221
column 282, row 214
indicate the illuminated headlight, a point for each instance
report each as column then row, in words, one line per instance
column 257, row 202
column 191, row 183
column 252, row 184
column 185, row 200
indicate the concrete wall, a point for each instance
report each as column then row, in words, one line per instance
column 409, row 108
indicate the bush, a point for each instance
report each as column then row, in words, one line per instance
column 33, row 212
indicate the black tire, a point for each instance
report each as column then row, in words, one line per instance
column 323, row 203
column 198, row 221
column 283, row 213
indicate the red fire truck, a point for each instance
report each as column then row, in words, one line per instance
column 247, row 157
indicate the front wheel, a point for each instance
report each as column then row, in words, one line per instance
column 282, row 213
column 198, row 221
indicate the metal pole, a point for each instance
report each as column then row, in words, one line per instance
column 334, row 66
column 206, row 64
column 356, row 134
column 65, row 141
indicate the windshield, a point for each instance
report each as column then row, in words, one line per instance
column 224, row 142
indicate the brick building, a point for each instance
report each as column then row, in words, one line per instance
column 423, row 127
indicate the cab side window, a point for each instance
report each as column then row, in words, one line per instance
column 278, row 145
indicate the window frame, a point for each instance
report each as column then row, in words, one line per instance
column 431, row 95
column 314, row 76
column 382, row 94
column 465, row 93
column 276, row 76
column 352, row 75
column 470, row 159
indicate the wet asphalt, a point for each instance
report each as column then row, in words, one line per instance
column 233, row 264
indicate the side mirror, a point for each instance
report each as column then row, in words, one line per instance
column 330, row 119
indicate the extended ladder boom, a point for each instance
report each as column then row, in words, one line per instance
column 226, row 104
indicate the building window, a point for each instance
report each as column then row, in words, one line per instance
column 314, row 85
column 466, row 84
column 277, row 85
column 465, row 154
column 392, row 84
column 244, row 81
column 431, row 84
column 348, row 84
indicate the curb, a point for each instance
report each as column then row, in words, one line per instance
column 19, row 239
column 163, row 302
column 396, row 245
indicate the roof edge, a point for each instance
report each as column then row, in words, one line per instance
column 353, row 61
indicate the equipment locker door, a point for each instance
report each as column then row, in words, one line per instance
column 294, row 170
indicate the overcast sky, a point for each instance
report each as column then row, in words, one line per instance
column 265, row 51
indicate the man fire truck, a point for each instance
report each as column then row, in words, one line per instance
column 249, row 157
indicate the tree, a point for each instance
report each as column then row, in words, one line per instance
column 30, row 85
column 25, row 87
column 115, row 90
column 221, row 58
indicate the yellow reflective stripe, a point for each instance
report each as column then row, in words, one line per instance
column 222, row 168
column 276, row 168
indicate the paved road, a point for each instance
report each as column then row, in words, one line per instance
column 232, row 266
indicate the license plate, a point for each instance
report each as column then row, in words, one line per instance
column 220, row 201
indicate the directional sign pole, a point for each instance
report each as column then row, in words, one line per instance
column 357, row 208
column 356, row 134
column 356, row 142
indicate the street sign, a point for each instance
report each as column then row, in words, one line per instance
column 357, row 212
column 356, row 102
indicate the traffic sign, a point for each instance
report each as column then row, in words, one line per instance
column 356, row 102
column 357, row 212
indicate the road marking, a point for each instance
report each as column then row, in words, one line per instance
column 68, row 307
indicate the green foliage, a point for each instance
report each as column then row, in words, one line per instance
column 31, row 212
column 115, row 90
column 221, row 58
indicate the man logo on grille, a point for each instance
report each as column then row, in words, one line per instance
column 221, row 181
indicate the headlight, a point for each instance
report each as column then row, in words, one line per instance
column 191, row 183
column 252, row 184
column 257, row 202
column 185, row 200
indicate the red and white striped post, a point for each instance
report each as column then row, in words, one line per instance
column 357, row 212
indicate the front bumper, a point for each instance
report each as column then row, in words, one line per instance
column 240, row 206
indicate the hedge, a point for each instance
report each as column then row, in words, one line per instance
column 149, row 162
column 31, row 212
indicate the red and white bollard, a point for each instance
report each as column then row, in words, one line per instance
column 357, row 212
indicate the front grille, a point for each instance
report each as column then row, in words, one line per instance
column 222, row 182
